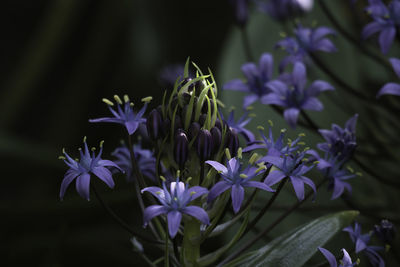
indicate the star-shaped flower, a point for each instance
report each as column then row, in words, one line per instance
column 256, row 77
column 82, row 169
column 291, row 93
column 239, row 125
column 304, row 42
column 124, row 114
column 392, row 88
column 234, row 178
column 175, row 202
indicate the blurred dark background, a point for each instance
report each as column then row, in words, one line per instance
column 58, row 60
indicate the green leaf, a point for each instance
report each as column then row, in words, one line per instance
column 297, row 247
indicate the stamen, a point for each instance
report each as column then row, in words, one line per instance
column 101, row 143
column 239, row 153
column 84, row 139
column 302, row 134
column 192, row 193
column 259, row 127
column 283, row 130
column 62, row 157
column 261, row 168
column 244, row 176
column 126, row 98
column 131, row 104
column 359, row 174
column 147, row 99
column 253, row 158
column 178, row 173
column 93, row 149
column 227, row 153
column 250, row 108
column 108, row 102
column 117, row 99
column 252, row 115
column 163, row 178
column 271, row 123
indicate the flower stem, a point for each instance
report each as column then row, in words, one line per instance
column 246, row 44
column 121, row 222
column 166, row 252
column 270, row 227
column 266, row 207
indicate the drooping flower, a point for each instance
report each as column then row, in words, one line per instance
column 291, row 165
column 175, row 202
column 274, row 147
column 239, row 125
column 145, row 159
column 340, row 142
column 256, row 77
column 304, row 42
column 361, row 242
column 82, row 169
column 392, row 88
column 284, row 9
column 291, row 93
column 385, row 231
column 386, row 21
column 125, row 116
column 241, row 11
column 236, row 179
column 345, row 262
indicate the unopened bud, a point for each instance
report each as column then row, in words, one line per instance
column 204, row 144
column 153, row 124
column 194, row 129
column 181, row 150
column 216, row 138
column 232, row 142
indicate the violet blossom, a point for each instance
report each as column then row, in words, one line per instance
column 239, row 125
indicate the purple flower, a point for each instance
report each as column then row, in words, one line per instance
column 361, row 241
column 284, row 9
column 273, row 147
column 290, row 165
column 174, row 203
column 241, row 10
column 144, row 158
column 345, row 262
column 340, row 142
column 256, row 77
column 333, row 170
column 304, row 42
column 124, row 115
column 235, row 179
column 291, row 93
column 386, row 20
column 239, row 125
column 392, row 88
column 88, row 164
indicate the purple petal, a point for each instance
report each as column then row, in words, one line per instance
column 389, row 89
column 249, row 99
column 325, row 45
column 386, row 39
column 299, row 74
column 298, row 186
column 318, row 86
column 153, row 211
column 155, row 191
column 273, row 99
column 312, row 103
column 82, row 185
column 321, row 32
column 217, row 166
column 107, row 119
column 174, row 221
column 360, row 245
column 131, row 126
column 253, row 147
column 217, row 190
column 266, row 65
column 291, row 116
column 197, row 191
column 310, row 183
column 236, row 85
column 109, row 163
column 105, row 175
column 396, row 65
column 250, row 71
column 276, row 160
column 198, row 213
column 69, row 176
column 370, row 29
column 259, row 185
column 346, row 258
column 277, row 87
column 237, row 196
column 338, row 189
column 351, row 123
column 329, row 257
column 274, row 177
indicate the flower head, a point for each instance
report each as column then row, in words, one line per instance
column 274, row 147
column 239, row 125
column 82, row 170
column 144, row 157
column 174, row 202
column 345, row 262
column 291, row 165
column 291, row 93
column 340, row 142
column 304, row 42
column 234, row 178
column 361, row 242
column 392, row 88
column 284, row 9
column 386, row 21
column 256, row 77
column 124, row 114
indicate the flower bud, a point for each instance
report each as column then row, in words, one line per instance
column 204, row 144
column 218, row 124
column 232, row 142
column 204, row 108
column 181, row 149
column 153, row 124
column 216, row 138
column 193, row 130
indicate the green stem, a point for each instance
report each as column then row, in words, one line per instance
column 166, row 255
column 246, row 44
